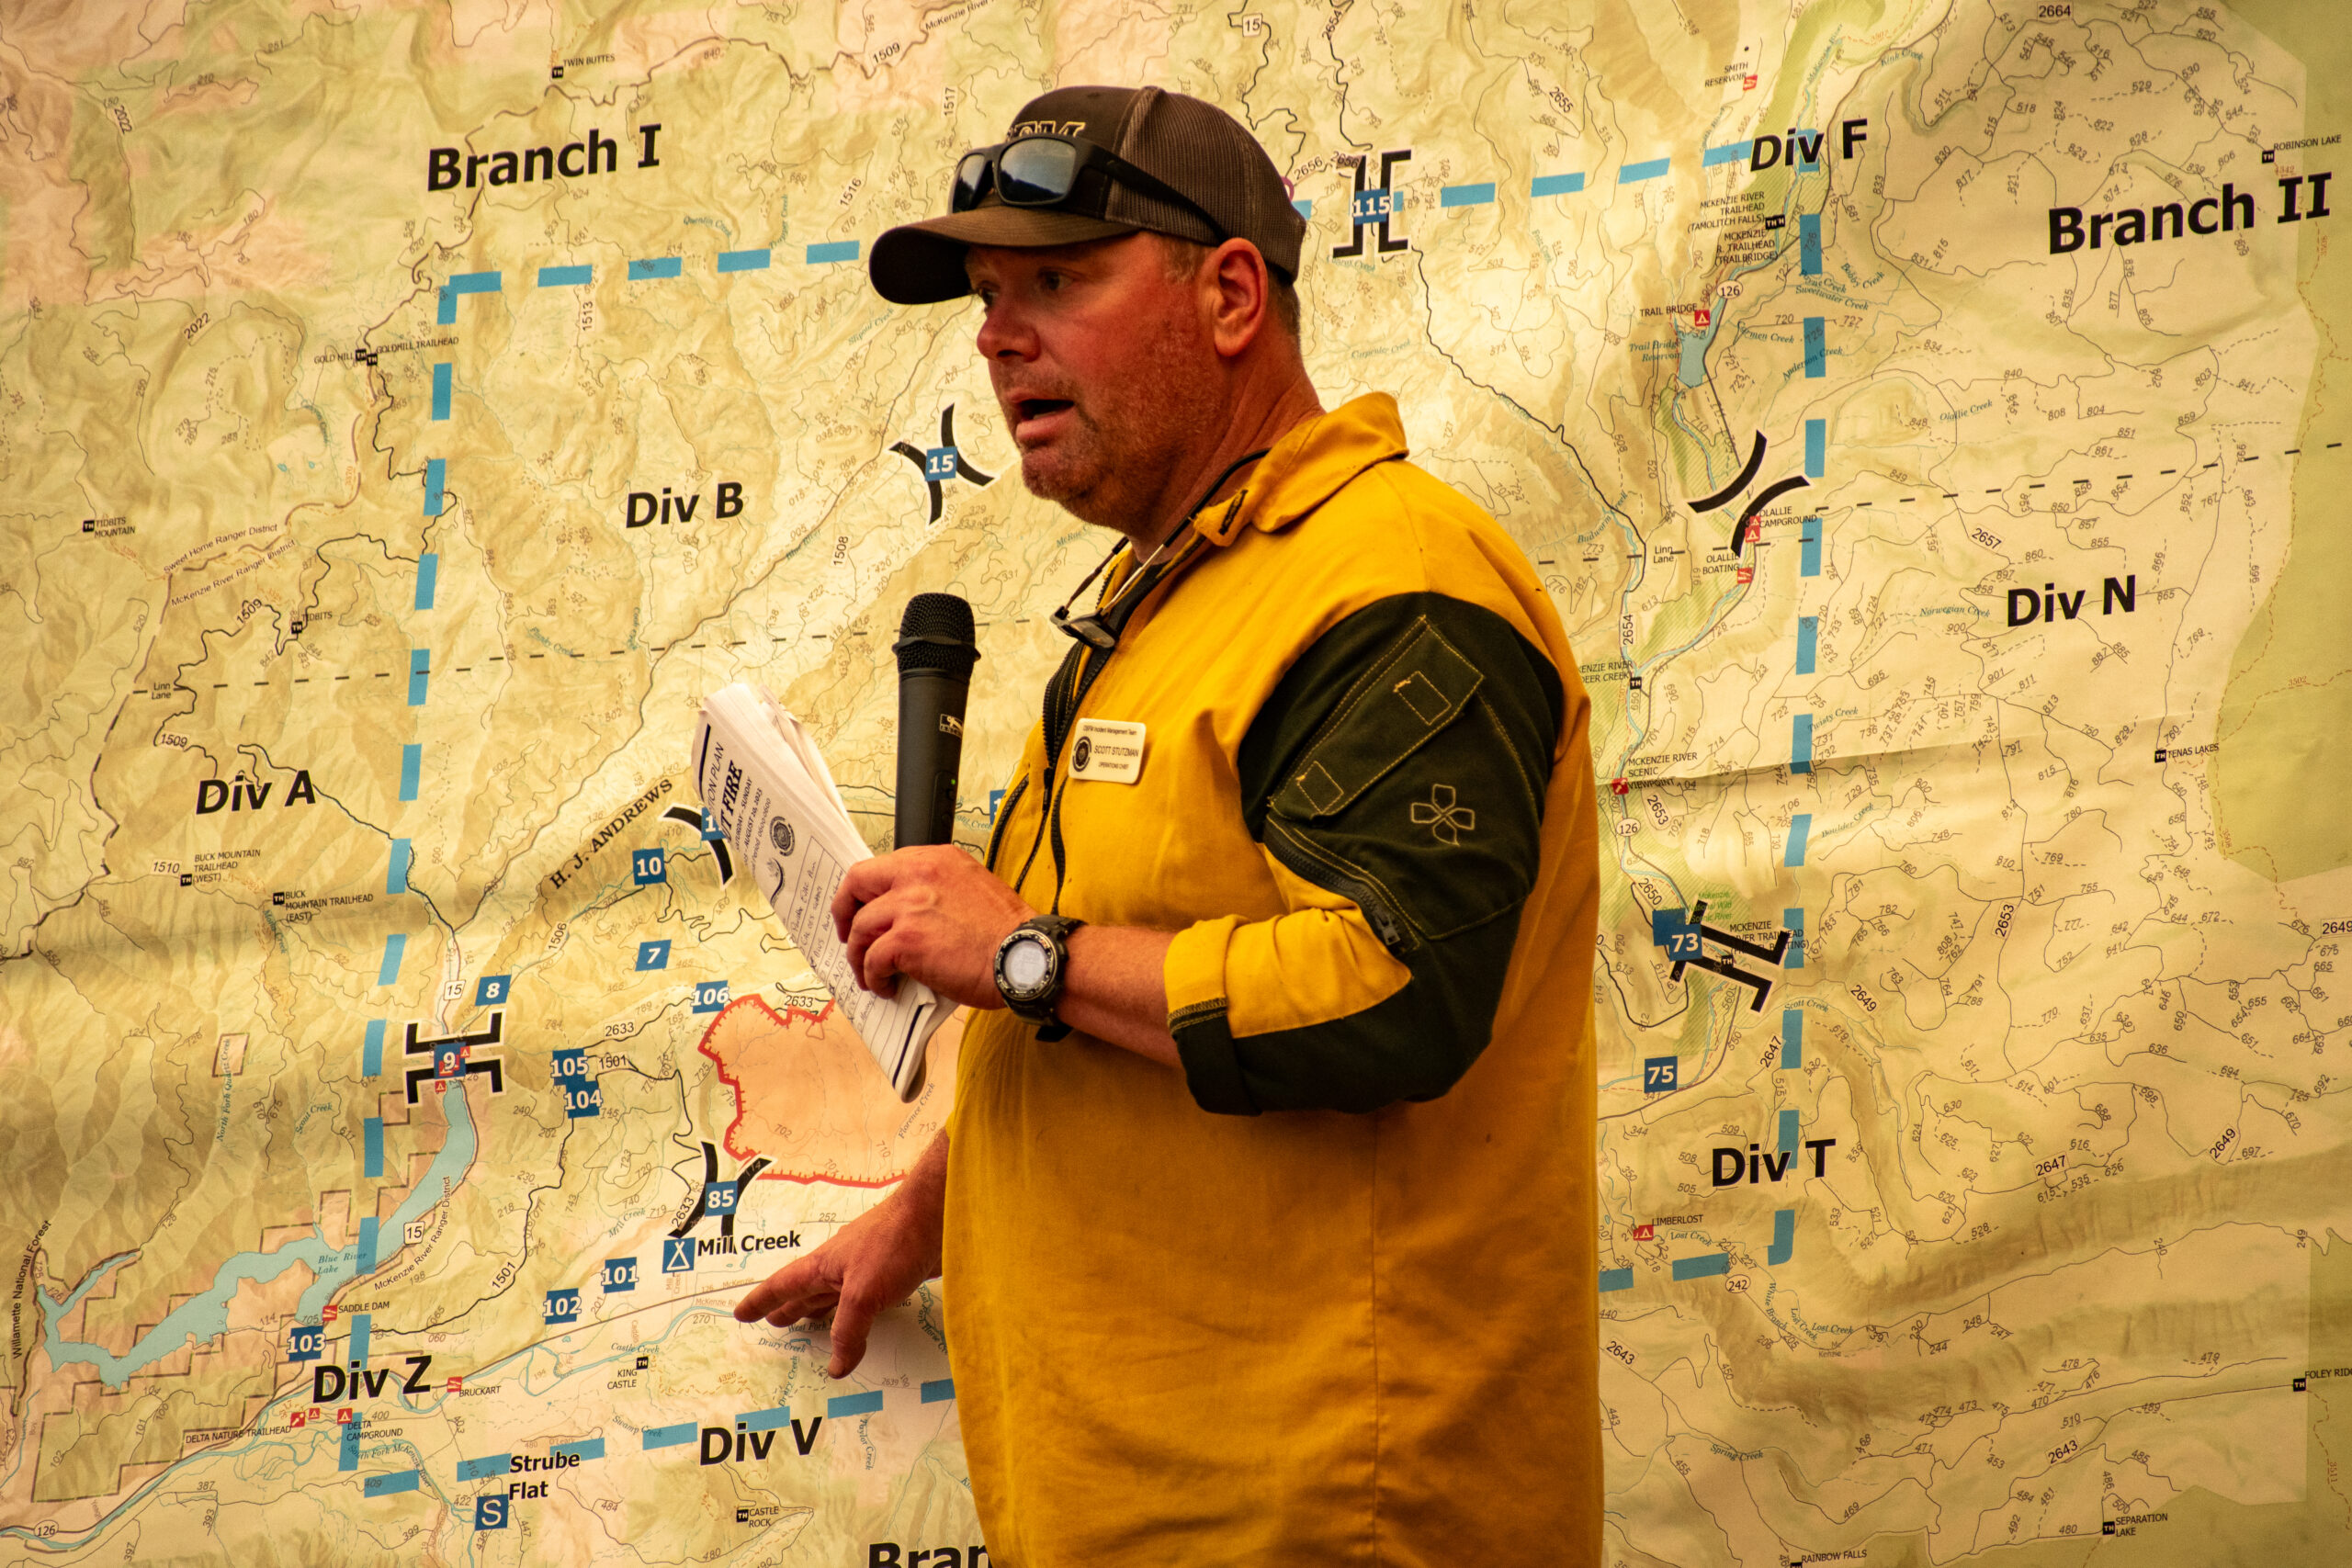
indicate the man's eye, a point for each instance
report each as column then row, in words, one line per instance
column 1051, row 282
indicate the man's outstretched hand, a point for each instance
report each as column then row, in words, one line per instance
column 870, row 1265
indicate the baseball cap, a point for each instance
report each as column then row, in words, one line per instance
column 1193, row 147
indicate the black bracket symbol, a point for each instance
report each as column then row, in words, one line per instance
column 1730, row 970
column 692, row 819
column 709, row 1179
column 943, row 462
column 453, row 1057
column 1375, row 206
column 1770, row 493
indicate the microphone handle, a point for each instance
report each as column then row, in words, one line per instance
column 930, row 753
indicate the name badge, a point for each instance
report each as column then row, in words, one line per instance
column 1106, row 750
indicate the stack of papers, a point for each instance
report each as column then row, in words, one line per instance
column 766, row 786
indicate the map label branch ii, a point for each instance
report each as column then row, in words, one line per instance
column 2301, row 196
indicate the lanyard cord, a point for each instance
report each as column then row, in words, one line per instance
column 1098, row 635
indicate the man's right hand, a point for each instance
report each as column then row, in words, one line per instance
column 870, row 1265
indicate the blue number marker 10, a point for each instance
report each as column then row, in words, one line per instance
column 650, row 867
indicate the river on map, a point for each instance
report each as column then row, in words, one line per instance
column 203, row 1317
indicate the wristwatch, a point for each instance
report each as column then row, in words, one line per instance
column 1031, row 963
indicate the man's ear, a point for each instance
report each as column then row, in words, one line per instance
column 1241, row 293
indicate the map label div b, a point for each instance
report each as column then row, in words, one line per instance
column 644, row 507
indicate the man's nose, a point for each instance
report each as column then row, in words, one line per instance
column 1005, row 333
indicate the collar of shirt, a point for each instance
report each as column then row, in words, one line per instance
column 1314, row 459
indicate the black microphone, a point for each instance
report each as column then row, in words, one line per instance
column 936, row 652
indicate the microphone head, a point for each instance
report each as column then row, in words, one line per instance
column 936, row 633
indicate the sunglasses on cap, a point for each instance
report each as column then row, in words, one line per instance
column 1042, row 170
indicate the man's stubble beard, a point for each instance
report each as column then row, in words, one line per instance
column 1131, row 433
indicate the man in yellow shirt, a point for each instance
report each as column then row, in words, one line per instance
column 1266, row 1209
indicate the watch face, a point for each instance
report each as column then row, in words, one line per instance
column 1026, row 965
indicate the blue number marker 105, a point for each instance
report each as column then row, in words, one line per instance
column 650, row 867
column 711, row 995
column 572, row 1062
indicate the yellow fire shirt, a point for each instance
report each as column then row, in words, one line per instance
column 1329, row 1295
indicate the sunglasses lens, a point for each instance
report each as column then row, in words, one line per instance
column 971, row 182
column 1035, row 172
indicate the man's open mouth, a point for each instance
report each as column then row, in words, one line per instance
column 1035, row 419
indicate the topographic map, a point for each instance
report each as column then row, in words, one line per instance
column 1923, row 413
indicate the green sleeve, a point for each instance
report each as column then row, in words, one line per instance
column 1402, row 764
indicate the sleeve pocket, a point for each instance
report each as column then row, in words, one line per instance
column 1410, row 694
